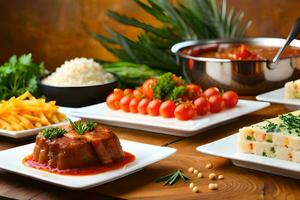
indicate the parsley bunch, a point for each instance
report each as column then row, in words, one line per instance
column 19, row 75
column 167, row 87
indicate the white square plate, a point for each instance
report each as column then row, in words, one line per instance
column 228, row 148
column 145, row 154
column 102, row 113
column 277, row 96
column 34, row 131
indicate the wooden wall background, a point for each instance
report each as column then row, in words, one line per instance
column 56, row 30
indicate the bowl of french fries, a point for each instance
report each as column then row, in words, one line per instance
column 27, row 112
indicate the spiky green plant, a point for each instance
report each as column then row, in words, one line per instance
column 182, row 20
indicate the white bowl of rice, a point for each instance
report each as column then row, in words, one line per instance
column 78, row 82
column 79, row 72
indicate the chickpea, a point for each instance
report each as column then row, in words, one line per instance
column 220, row 177
column 191, row 169
column 216, row 186
column 195, row 189
column 208, row 166
column 212, row 176
column 195, row 171
column 200, row 175
column 192, row 185
column 213, row 186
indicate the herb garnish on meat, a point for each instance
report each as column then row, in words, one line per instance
column 53, row 132
column 83, row 126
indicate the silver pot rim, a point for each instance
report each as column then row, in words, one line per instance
column 264, row 41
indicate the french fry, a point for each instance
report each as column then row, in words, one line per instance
column 27, row 112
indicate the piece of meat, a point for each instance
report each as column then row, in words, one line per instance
column 106, row 144
column 100, row 146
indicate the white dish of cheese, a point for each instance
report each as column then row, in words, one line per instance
column 274, row 138
column 270, row 146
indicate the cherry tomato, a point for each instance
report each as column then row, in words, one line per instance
column 153, row 107
column 202, row 105
column 167, row 109
column 137, row 93
column 113, row 101
column 211, row 91
column 142, row 106
column 216, row 103
column 230, row 99
column 193, row 91
column 147, row 88
column 185, row 111
column 128, row 92
column 124, row 103
column 133, row 105
column 118, row 92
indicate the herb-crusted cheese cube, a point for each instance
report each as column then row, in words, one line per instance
column 294, row 142
column 245, row 146
column 274, row 138
column 296, row 156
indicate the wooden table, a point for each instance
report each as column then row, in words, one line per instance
column 239, row 183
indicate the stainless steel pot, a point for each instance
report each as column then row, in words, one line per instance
column 245, row 77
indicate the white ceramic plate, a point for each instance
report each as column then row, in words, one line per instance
column 34, row 131
column 228, row 148
column 102, row 113
column 277, row 96
column 145, row 154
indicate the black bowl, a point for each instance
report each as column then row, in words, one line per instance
column 78, row 96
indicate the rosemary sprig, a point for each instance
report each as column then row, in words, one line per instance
column 170, row 179
column 53, row 132
column 83, row 126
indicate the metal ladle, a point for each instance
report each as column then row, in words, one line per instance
column 295, row 31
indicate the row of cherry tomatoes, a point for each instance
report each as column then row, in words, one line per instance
column 194, row 103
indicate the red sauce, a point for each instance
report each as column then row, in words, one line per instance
column 239, row 52
column 128, row 158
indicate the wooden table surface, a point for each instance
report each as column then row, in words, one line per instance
column 239, row 183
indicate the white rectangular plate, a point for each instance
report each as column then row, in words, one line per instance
column 228, row 148
column 102, row 113
column 145, row 154
column 34, row 131
column 277, row 96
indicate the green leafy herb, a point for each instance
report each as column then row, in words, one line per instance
column 166, row 87
column 264, row 154
column 179, row 21
column 82, row 126
column 170, row 179
column 251, row 138
column 291, row 122
column 272, row 127
column 53, row 132
column 131, row 74
column 272, row 149
column 269, row 140
column 297, row 95
column 177, row 92
column 19, row 75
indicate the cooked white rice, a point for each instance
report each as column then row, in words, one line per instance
column 78, row 72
